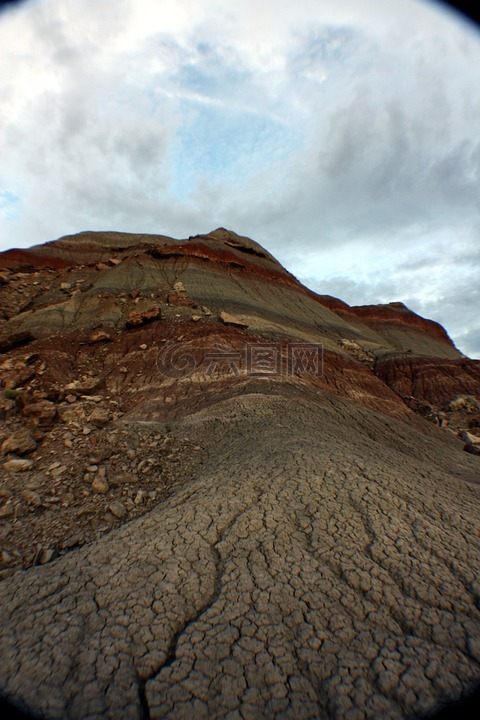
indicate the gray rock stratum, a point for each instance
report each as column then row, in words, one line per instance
column 323, row 563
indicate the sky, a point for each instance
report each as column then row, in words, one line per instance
column 343, row 136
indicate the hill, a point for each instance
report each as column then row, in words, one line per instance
column 225, row 496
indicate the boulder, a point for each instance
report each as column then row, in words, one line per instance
column 30, row 497
column 80, row 387
column 18, row 465
column 180, row 300
column 117, row 509
column 99, row 417
column 100, row 485
column 469, row 439
column 121, row 478
column 20, row 442
column 137, row 318
column 43, row 412
column 228, row 319
column 45, row 555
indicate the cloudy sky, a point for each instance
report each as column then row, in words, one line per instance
column 343, row 136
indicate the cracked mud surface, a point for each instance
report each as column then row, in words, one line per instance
column 324, row 562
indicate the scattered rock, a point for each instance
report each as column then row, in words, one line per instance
column 36, row 481
column 80, row 387
column 123, row 479
column 20, row 442
column 43, row 412
column 65, row 286
column 180, row 300
column 142, row 317
column 100, row 485
column 139, row 497
column 427, row 410
column 357, row 351
column 464, row 402
column 206, row 310
column 6, row 510
column 469, row 439
column 99, row 417
column 69, row 415
column 45, row 555
column 117, row 509
column 32, row 498
column 18, row 465
column 178, row 286
column 56, row 472
column 232, row 320
column 100, row 335
column 196, row 318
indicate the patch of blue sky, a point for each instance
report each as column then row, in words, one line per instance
column 211, row 75
column 220, row 144
column 332, row 44
column 10, row 205
column 334, row 49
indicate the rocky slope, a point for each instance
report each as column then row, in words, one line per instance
column 226, row 489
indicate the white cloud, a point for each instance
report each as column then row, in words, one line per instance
column 327, row 131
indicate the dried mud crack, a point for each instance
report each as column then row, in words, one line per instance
column 286, row 579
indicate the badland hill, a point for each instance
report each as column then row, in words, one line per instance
column 223, row 495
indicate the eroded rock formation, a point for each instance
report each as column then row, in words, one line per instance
column 220, row 493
